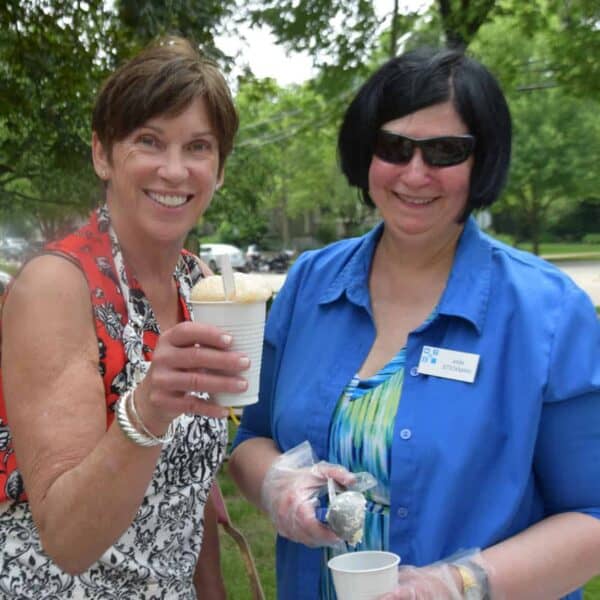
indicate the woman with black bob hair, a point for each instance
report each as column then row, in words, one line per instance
column 463, row 374
column 423, row 78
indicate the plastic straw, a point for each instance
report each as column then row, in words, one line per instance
column 228, row 279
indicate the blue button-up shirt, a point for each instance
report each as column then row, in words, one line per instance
column 471, row 463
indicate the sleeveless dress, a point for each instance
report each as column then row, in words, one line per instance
column 156, row 556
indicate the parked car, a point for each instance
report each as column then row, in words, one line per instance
column 265, row 261
column 14, row 248
column 211, row 253
column 4, row 281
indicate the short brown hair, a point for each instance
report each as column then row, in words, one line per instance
column 163, row 79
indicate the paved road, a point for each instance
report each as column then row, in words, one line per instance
column 586, row 275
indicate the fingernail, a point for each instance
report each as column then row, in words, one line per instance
column 244, row 361
column 226, row 339
column 242, row 384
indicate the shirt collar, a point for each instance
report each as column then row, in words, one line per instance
column 467, row 291
column 468, row 288
column 353, row 279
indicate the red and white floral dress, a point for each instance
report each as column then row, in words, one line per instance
column 156, row 556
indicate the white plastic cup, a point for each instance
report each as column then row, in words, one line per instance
column 245, row 322
column 364, row 575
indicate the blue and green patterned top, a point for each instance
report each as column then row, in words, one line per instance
column 360, row 438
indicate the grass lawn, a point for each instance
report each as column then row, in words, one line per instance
column 549, row 249
column 261, row 537
column 8, row 267
column 592, row 590
column 558, row 248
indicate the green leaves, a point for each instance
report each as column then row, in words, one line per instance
column 556, row 133
column 283, row 174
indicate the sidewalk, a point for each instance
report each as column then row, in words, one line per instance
column 586, row 274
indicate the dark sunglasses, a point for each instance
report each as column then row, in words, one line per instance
column 443, row 151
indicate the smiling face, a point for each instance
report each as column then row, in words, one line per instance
column 417, row 201
column 162, row 176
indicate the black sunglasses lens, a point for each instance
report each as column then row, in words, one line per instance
column 437, row 152
column 393, row 148
column 446, row 151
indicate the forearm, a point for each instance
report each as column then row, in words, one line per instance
column 208, row 577
column 548, row 560
column 88, row 507
column 249, row 464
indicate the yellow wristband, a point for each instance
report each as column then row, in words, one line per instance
column 469, row 582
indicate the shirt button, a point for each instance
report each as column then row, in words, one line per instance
column 403, row 512
column 414, row 371
column 406, row 434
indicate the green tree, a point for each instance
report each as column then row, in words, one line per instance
column 51, row 63
column 143, row 20
column 53, row 56
column 556, row 133
column 284, row 165
column 552, row 167
column 570, row 29
column 461, row 20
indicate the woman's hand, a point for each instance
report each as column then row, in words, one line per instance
column 464, row 575
column 436, row 582
column 290, row 496
column 189, row 357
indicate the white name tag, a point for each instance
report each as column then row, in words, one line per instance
column 449, row 364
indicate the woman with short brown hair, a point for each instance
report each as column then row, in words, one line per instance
column 106, row 458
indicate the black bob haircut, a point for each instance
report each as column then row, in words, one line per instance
column 416, row 80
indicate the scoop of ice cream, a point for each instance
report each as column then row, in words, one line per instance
column 248, row 288
column 346, row 516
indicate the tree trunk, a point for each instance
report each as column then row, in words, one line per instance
column 394, row 31
column 461, row 21
column 285, row 223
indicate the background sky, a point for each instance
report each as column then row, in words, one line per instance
column 267, row 59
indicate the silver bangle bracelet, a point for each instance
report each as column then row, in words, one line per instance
column 127, row 426
column 158, row 439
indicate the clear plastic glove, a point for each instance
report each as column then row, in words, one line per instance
column 460, row 577
column 290, row 494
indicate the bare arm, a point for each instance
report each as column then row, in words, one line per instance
column 208, row 578
column 548, row 560
column 249, row 464
column 85, row 483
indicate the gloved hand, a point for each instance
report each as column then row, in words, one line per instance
column 290, row 494
column 462, row 577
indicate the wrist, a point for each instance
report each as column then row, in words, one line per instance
column 474, row 581
column 132, row 426
column 148, row 424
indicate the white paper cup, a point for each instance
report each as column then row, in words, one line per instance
column 364, row 575
column 245, row 321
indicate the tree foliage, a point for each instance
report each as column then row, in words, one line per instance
column 53, row 56
column 143, row 20
column 556, row 138
column 556, row 132
column 334, row 33
column 283, row 166
column 461, row 20
column 51, row 63
column 571, row 29
column 55, row 53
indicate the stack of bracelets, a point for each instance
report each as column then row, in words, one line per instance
column 139, row 435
